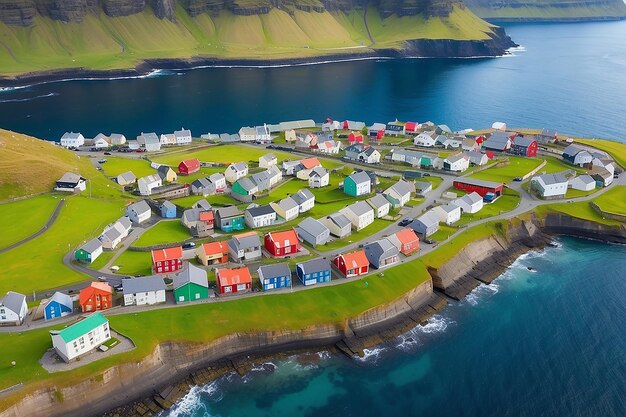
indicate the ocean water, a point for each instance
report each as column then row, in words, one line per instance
column 548, row 342
column 565, row 76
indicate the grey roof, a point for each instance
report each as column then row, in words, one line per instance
column 360, row 177
column 355, row 147
column 378, row 201
column 62, row 299
column 380, row 248
column 407, row 152
column 13, row 301
column 168, row 204
column 150, row 138
column 70, row 135
column 359, row 208
column 128, row 176
column 474, row 154
column 587, row 179
column 497, row 140
column 429, row 218
column 548, row 132
column 297, row 124
column 92, row 245
column 302, row 196
column 288, row 203
column 246, row 242
column 164, row 169
column 260, row 210
column 449, row 208
column 239, row 166
column 246, row 183
column 260, row 177
column 401, row 187
column 319, row 172
column 572, row 150
column 456, row 157
column 549, row 179
column 377, row 126
column 202, row 204
column 314, row 265
column 71, row 178
column 523, row 141
column 471, row 198
column 477, row 182
column 201, row 183
column 124, row 222
column 268, row 157
column 339, row 219
column 150, row 178
column 192, row 215
column 275, row 270
column 422, row 185
column 352, row 125
column 143, row 284
column 369, row 151
column 191, row 274
column 140, row 206
column 216, row 177
column 112, row 234
column 230, row 211
column 312, row 226
column 182, row 132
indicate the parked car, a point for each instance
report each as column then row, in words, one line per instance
column 101, row 161
column 189, row 245
column 107, row 153
column 517, row 179
column 118, row 287
column 101, row 278
column 429, row 241
column 405, row 222
column 426, row 174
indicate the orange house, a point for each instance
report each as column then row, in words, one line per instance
column 96, row 297
column 405, row 240
column 213, row 253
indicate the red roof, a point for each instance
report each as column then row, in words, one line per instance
column 284, row 238
column 309, row 163
column 191, row 164
column 407, row 236
column 233, row 276
column 356, row 259
column 215, row 248
column 355, row 136
column 159, row 255
column 86, row 293
column 206, row 216
column 410, row 126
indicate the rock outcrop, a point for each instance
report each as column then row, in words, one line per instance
column 118, row 8
column 17, row 12
column 165, row 9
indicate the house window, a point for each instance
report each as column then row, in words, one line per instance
column 197, row 296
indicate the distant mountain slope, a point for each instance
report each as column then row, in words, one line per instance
column 43, row 35
column 549, row 10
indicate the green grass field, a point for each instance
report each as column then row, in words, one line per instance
column 114, row 166
column 613, row 201
column 134, row 263
column 554, row 165
column 517, row 167
column 165, row 231
column 22, row 218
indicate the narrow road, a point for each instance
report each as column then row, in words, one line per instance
column 41, row 231
column 367, row 28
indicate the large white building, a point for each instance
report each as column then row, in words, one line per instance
column 81, row 337
column 550, row 185
column 183, row 136
column 148, row 183
column 13, row 309
column 72, row 140
column 143, row 290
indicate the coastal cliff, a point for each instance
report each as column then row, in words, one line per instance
column 548, row 10
column 480, row 261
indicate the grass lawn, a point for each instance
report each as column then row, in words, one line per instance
column 115, row 165
column 507, row 202
column 165, row 231
column 22, row 218
column 572, row 193
column 517, row 167
column 224, row 154
column 443, row 233
column 617, row 150
column 435, row 181
column 554, row 165
column 613, row 201
column 581, row 210
column 134, row 263
column 102, row 260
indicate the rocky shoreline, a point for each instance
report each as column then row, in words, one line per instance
column 157, row 381
column 496, row 46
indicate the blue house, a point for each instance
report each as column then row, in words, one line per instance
column 59, row 305
column 275, row 276
column 314, row 271
column 168, row 210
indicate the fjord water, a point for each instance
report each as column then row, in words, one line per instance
column 569, row 77
column 549, row 342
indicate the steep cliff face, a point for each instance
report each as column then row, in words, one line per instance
column 66, row 10
column 117, row 8
column 548, row 9
column 164, row 9
column 17, row 12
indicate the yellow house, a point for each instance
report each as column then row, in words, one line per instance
column 167, row 174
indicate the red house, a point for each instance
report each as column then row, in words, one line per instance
column 230, row 281
column 405, row 240
column 352, row 264
column 95, row 297
column 189, row 166
column 411, row 127
column 524, row 146
column 282, row 243
column 167, row 260
column 356, row 137
column 482, row 187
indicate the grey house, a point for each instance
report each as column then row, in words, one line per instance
column 245, row 247
column 203, row 187
column 422, row 188
column 426, row 224
column 382, row 253
column 126, row 178
column 313, row 232
column 338, row 224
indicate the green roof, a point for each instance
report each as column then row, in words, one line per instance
column 83, row 327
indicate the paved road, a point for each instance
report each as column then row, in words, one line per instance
column 41, row 231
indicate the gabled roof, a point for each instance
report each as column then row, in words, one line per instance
column 218, row 176
column 191, row 274
column 448, row 208
column 182, row 132
column 318, row 172
column 260, row 210
column 191, row 164
column 284, row 238
column 429, row 218
column 150, row 178
column 260, row 177
column 275, row 270
column 303, row 196
column 360, row 177
column 247, row 184
column 203, row 204
column 13, row 301
column 359, row 208
column 472, row 198
column 168, row 205
column 143, row 284
column 380, row 248
column 312, row 226
column 585, row 179
column 378, row 201
column 246, row 240
column 159, row 255
column 401, row 188
column 81, row 328
column 201, row 183
column 71, row 178
column 71, row 135
column 314, row 265
column 356, row 259
column 192, row 215
column 549, row 179
column 356, row 147
column 456, row 157
column 497, row 140
column 127, row 176
column 406, row 235
column 524, row 141
column 268, row 157
column 288, row 203
column 112, row 234
column 377, row 126
column 149, row 138
column 213, row 248
column 140, row 207
column 230, row 211
column 339, row 219
column 310, row 163
column 423, row 185
column 238, row 166
column 92, row 245
column 86, row 293
column 61, row 298
column 572, row 150
column 233, row 276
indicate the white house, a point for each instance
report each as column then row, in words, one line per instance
column 604, row 163
column 427, row 139
column 101, row 142
column 404, row 155
column 13, row 309
column 260, row 216
column 329, row 146
column 380, row 205
column 150, row 141
column 81, row 337
column 448, row 214
column 143, row 290
column 71, row 182
column 115, row 232
column 287, row 208
column 305, row 200
column 167, row 139
column 477, row 158
column 319, row 177
column 117, row 139
column 550, row 185
column 470, row 203
column 275, row 175
column 219, row 182
column 139, row 212
column 290, row 136
column 236, row 171
column 458, row 162
column 148, row 183
column 260, row 134
column 267, row 160
column 398, row 194
column 582, row 183
column 183, row 136
column 72, row 140
column 126, row 178
column 360, row 214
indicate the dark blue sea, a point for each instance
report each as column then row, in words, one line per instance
column 571, row 77
column 544, row 343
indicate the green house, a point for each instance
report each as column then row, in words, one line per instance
column 426, row 162
column 357, row 184
column 89, row 252
column 244, row 186
column 191, row 284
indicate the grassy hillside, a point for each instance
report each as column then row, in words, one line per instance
column 101, row 42
column 541, row 10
